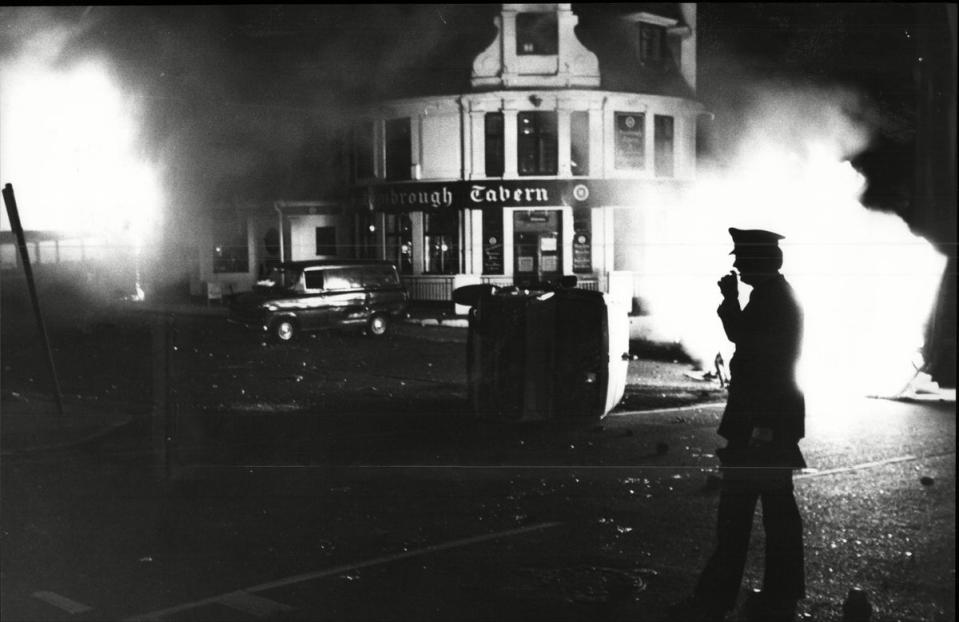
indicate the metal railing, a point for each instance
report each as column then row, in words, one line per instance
column 440, row 287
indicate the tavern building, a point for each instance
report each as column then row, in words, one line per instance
column 566, row 137
column 534, row 141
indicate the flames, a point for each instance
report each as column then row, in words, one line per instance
column 70, row 149
column 867, row 284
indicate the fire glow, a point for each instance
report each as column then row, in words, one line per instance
column 70, row 150
column 866, row 283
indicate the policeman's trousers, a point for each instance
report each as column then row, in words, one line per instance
column 784, row 575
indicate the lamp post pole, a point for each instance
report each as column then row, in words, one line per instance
column 11, row 202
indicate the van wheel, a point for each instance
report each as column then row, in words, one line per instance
column 283, row 330
column 378, row 325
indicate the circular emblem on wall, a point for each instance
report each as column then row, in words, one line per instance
column 581, row 239
column 630, row 122
column 580, row 192
column 492, row 240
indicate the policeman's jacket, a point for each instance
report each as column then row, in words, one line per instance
column 763, row 391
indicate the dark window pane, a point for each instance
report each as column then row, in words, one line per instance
column 441, row 242
column 326, row 240
column 536, row 144
column 537, row 33
column 579, row 143
column 630, row 140
column 494, row 144
column 230, row 250
column 663, row 145
column 399, row 241
column 398, row 149
column 652, row 40
column 313, row 279
column 363, row 149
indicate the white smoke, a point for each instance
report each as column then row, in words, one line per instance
column 866, row 282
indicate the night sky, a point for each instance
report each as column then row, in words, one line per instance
column 247, row 100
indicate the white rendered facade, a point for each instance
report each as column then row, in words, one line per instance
column 576, row 169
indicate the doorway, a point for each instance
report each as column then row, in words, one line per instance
column 537, row 249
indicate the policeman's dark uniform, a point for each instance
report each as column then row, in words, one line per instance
column 762, row 394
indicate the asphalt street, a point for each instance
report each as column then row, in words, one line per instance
column 574, row 523
column 342, row 478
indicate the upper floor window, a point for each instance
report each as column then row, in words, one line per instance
column 652, row 43
column 494, row 144
column 663, row 145
column 579, row 142
column 630, row 140
column 537, row 145
column 537, row 33
column 363, row 150
column 398, row 149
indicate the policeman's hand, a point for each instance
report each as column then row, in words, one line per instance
column 729, row 285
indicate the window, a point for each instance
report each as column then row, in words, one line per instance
column 579, row 143
column 537, row 33
column 313, row 279
column 230, row 251
column 494, row 144
column 398, row 149
column 630, row 140
column 399, row 242
column 537, row 143
column 325, row 241
column 441, row 242
column 363, row 150
column 663, row 145
column 652, row 43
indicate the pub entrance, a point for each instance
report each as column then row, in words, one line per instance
column 537, row 247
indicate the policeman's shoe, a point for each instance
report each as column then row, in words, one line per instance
column 696, row 610
column 760, row 607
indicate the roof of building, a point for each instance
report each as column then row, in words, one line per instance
column 444, row 67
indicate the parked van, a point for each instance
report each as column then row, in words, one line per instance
column 303, row 296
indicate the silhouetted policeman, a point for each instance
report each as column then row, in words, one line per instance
column 762, row 424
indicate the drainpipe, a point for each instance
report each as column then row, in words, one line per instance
column 279, row 212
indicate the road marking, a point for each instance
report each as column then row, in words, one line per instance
column 319, row 574
column 256, row 606
column 62, row 602
column 869, row 465
column 659, row 411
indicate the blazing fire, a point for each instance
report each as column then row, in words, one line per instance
column 867, row 284
column 70, row 150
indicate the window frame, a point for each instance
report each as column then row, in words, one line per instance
column 652, row 43
column 447, row 231
column 663, row 166
column 398, row 149
column 544, row 140
column 580, row 159
column 364, row 149
column 531, row 34
column 494, row 144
